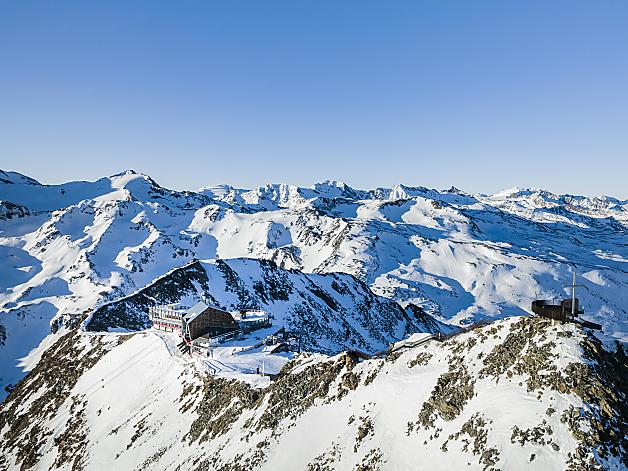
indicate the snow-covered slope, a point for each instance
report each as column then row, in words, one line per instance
column 73, row 247
column 517, row 394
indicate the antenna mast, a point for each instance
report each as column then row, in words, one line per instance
column 573, row 294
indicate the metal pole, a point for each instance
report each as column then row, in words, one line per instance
column 573, row 295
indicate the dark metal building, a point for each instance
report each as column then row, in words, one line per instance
column 566, row 311
column 559, row 312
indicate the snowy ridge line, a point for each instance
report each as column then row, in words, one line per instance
column 439, row 337
column 328, row 310
column 87, row 320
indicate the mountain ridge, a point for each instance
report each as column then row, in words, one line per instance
column 327, row 310
column 517, row 393
column 459, row 258
column 329, row 188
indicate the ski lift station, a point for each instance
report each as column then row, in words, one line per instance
column 202, row 326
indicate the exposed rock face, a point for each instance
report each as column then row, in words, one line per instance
column 600, row 381
column 476, row 429
column 559, row 404
column 452, row 391
column 10, row 210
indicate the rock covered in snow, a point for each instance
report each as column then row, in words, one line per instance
column 516, row 393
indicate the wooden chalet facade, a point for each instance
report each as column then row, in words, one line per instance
column 202, row 320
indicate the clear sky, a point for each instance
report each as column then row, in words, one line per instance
column 482, row 95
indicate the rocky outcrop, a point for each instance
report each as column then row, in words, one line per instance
column 10, row 210
column 444, row 403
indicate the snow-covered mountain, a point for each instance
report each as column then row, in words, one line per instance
column 72, row 247
column 518, row 394
column 343, row 269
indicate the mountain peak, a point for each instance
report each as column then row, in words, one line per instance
column 125, row 172
column 336, row 189
column 401, row 191
column 129, row 175
column 136, row 184
column 510, row 192
column 16, row 178
column 330, row 184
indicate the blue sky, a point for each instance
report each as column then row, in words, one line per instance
column 481, row 95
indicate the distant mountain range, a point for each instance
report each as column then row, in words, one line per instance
column 461, row 257
column 347, row 268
